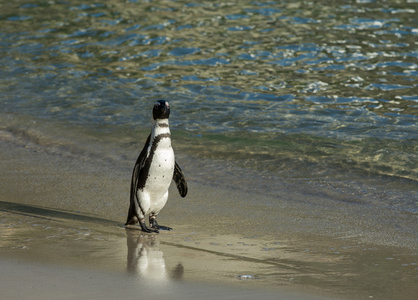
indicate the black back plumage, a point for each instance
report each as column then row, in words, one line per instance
column 139, row 174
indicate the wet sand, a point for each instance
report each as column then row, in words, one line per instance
column 61, row 224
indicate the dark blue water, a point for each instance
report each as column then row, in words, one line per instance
column 322, row 95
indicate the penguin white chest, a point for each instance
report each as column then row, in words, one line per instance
column 161, row 169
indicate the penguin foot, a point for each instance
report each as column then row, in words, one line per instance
column 153, row 223
column 146, row 229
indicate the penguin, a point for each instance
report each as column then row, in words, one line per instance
column 153, row 172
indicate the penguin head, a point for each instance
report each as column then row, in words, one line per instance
column 161, row 110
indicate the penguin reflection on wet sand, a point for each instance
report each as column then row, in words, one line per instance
column 153, row 172
column 146, row 259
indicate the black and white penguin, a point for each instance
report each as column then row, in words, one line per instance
column 153, row 172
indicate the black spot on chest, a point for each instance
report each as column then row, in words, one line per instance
column 145, row 168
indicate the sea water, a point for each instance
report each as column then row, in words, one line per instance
column 319, row 97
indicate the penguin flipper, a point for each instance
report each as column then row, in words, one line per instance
column 180, row 180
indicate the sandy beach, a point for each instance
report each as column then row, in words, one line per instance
column 62, row 233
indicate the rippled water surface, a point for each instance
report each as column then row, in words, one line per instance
column 310, row 90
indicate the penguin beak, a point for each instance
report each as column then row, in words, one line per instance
column 162, row 108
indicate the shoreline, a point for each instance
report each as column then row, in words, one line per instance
column 65, row 213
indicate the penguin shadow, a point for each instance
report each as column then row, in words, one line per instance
column 146, row 260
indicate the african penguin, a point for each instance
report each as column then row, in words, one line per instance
column 153, row 172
